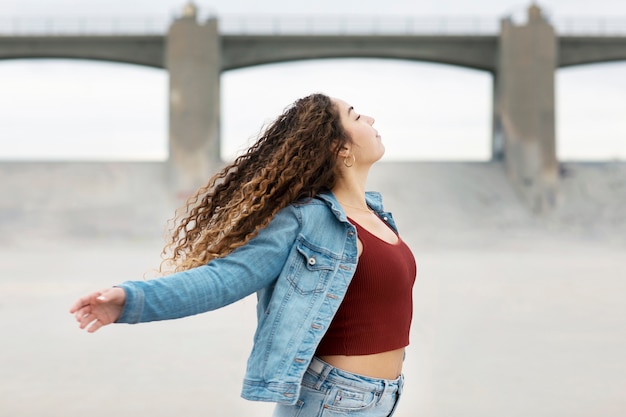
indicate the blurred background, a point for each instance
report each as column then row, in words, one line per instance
column 426, row 111
column 516, row 313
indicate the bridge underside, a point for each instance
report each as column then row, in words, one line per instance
column 140, row 50
column 240, row 51
column 590, row 50
column 477, row 52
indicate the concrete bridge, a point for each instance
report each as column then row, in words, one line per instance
column 522, row 58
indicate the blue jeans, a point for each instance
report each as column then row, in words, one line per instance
column 330, row 392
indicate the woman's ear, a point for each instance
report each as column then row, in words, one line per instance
column 344, row 152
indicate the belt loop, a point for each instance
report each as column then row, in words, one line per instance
column 323, row 375
column 322, row 369
column 383, row 392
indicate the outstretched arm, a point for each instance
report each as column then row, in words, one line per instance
column 197, row 290
column 99, row 308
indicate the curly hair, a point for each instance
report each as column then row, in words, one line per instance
column 294, row 158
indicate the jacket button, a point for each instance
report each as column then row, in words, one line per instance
column 312, row 260
column 350, row 233
column 385, row 218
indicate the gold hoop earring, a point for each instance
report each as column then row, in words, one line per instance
column 347, row 158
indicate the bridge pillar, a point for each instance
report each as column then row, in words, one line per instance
column 524, row 114
column 193, row 60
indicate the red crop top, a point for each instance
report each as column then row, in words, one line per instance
column 375, row 315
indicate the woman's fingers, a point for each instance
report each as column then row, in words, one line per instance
column 84, row 309
column 95, row 325
column 98, row 309
column 82, row 312
column 84, row 301
column 85, row 320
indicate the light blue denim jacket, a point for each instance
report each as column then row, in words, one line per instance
column 300, row 266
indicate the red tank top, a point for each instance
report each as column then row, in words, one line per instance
column 375, row 315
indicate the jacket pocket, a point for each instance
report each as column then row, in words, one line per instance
column 311, row 268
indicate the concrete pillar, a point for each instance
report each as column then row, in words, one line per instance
column 524, row 114
column 193, row 60
column 497, row 141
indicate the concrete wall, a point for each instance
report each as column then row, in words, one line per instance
column 439, row 204
column 82, row 199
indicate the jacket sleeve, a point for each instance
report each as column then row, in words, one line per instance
column 219, row 283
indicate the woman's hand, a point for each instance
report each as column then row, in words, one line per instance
column 99, row 309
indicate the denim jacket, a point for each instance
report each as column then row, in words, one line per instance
column 300, row 266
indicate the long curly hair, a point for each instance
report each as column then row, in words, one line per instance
column 294, row 158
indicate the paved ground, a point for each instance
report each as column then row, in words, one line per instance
column 524, row 329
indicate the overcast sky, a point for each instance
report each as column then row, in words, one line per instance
column 64, row 109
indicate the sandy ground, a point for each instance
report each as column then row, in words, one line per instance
column 519, row 330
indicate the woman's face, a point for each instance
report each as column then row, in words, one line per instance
column 366, row 144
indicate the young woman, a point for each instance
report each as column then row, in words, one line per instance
column 291, row 221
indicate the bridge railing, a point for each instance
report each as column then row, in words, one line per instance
column 356, row 25
column 298, row 25
column 614, row 26
column 87, row 26
column 254, row 25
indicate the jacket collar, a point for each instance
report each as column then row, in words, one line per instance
column 372, row 198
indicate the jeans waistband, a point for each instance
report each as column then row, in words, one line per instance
column 327, row 372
